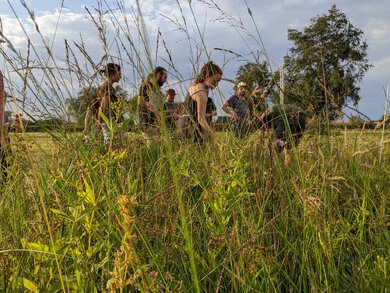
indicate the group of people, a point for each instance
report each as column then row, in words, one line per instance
column 248, row 110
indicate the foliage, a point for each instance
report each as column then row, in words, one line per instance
column 253, row 74
column 130, row 219
column 77, row 107
column 326, row 63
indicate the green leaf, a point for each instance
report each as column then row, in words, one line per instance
column 29, row 285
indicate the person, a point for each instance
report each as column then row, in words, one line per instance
column 170, row 109
column 150, row 98
column 238, row 108
column 104, row 103
column 288, row 123
column 211, row 110
column 4, row 138
column 258, row 101
column 196, row 100
column 109, row 101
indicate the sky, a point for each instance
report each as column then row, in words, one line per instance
column 178, row 35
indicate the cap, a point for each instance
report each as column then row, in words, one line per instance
column 241, row 84
column 171, row 92
column 110, row 68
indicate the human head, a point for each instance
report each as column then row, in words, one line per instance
column 161, row 75
column 170, row 94
column 241, row 89
column 210, row 74
column 112, row 71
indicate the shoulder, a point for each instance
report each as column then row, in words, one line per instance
column 198, row 91
column 232, row 99
column 102, row 89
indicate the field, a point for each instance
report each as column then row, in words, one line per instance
column 157, row 215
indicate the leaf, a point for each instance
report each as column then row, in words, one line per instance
column 60, row 213
column 88, row 195
column 35, row 246
column 29, row 285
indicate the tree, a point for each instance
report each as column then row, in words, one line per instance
column 253, row 74
column 326, row 63
column 77, row 107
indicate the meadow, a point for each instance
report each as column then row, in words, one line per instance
column 155, row 214
column 159, row 215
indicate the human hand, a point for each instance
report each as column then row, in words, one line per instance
column 235, row 116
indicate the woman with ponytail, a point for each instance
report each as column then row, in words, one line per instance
column 196, row 101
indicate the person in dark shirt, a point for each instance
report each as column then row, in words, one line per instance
column 170, row 109
column 238, row 108
column 150, row 99
column 288, row 123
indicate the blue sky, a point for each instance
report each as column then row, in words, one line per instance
column 185, row 42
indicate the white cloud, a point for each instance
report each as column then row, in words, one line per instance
column 220, row 27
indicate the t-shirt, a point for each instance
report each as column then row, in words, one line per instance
column 172, row 107
column 154, row 98
column 210, row 108
column 240, row 107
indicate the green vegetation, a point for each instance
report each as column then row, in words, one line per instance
column 328, row 60
column 134, row 218
column 153, row 214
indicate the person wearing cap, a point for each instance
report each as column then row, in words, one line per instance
column 238, row 108
column 104, row 103
column 150, row 98
column 170, row 109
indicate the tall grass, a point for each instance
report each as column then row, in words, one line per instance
column 156, row 214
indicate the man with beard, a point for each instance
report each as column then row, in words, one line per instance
column 150, row 99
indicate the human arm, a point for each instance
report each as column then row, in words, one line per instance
column 104, row 97
column 170, row 111
column 227, row 108
column 211, row 114
column 144, row 97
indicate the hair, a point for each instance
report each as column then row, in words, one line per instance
column 209, row 69
column 110, row 68
column 158, row 70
